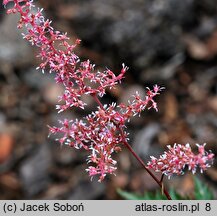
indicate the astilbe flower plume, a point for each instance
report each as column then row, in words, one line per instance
column 178, row 157
column 102, row 132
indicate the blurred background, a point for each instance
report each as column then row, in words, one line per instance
column 172, row 43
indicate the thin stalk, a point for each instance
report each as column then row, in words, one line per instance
column 149, row 172
column 97, row 101
column 162, row 178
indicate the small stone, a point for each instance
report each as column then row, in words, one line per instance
column 34, row 171
column 13, row 48
column 87, row 190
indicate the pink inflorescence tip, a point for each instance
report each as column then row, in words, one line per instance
column 176, row 158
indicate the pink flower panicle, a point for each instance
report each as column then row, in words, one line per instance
column 102, row 132
column 58, row 56
column 178, row 157
column 99, row 132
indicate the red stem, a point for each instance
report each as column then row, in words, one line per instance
column 162, row 178
column 160, row 183
column 97, row 101
column 149, row 172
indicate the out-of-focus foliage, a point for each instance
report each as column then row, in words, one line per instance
column 201, row 192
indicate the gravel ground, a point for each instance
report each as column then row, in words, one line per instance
column 172, row 43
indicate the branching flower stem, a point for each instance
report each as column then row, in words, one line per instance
column 136, row 156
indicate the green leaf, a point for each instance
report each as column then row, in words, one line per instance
column 147, row 195
column 201, row 190
column 128, row 195
column 175, row 196
column 153, row 196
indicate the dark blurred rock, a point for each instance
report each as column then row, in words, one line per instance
column 136, row 32
column 203, row 126
column 35, row 79
column 34, row 171
column 206, row 27
column 164, row 71
column 87, row 190
column 64, row 155
column 144, row 140
column 1, row 11
column 14, row 50
column 2, row 121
